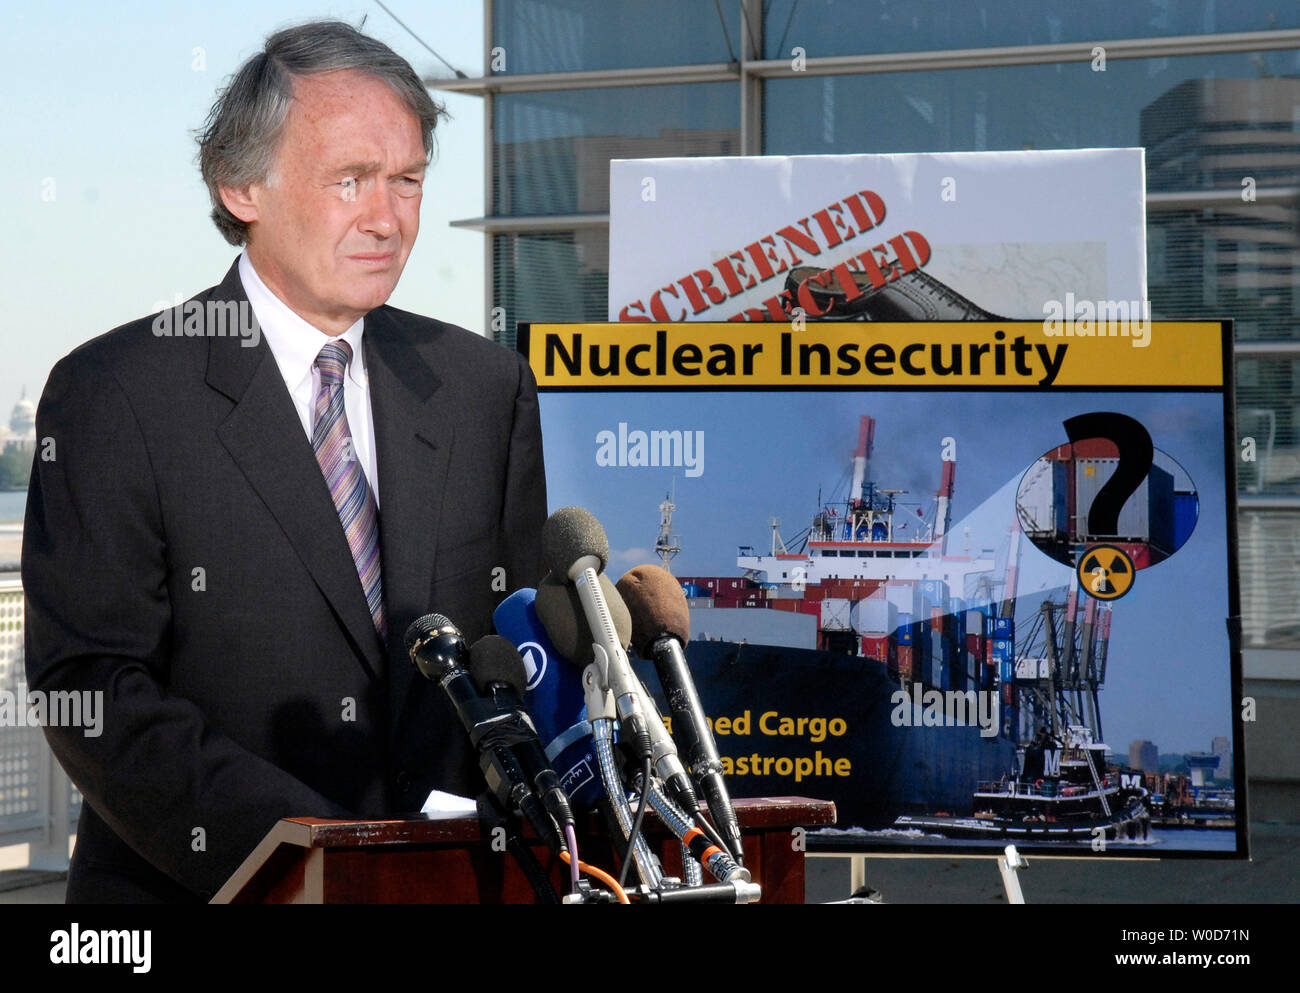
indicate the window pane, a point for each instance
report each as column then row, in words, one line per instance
column 1270, row 578
column 1239, row 262
column 553, row 149
column 574, row 35
column 1268, row 425
column 868, row 27
column 561, row 276
column 1133, row 102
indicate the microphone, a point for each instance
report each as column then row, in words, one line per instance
column 661, row 627
column 438, row 650
column 499, row 674
column 574, row 536
column 554, row 695
column 575, row 547
column 560, row 612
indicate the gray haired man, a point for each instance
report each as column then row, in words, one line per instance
column 232, row 539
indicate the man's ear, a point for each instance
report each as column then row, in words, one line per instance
column 240, row 202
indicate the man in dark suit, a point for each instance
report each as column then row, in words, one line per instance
column 228, row 533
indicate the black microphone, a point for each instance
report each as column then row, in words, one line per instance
column 439, row 651
column 499, row 673
column 661, row 626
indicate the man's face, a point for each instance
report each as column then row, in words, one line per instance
column 332, row 226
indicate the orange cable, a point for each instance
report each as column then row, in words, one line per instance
column 600, row 874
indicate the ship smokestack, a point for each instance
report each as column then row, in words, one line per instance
column 862, row 455
column 943, row 515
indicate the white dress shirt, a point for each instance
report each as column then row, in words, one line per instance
column 295, row 345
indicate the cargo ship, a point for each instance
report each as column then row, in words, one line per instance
column 874, row 613
column 873, row 616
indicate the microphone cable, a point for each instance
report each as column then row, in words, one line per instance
column 635, row 833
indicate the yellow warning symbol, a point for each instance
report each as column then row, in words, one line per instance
column 1106, row 572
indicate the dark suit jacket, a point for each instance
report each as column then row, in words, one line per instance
column 182, row 555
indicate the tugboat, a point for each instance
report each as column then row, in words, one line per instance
column 1061, row 786
column 1060, row 791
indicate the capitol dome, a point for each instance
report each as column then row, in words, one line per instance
column 22, row 422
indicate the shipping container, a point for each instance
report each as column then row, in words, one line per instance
column 999, row 627
column 1161, row 486
column 1006, row 671
column 792, row 606
column 1031, row 669
column 1141, row 554
column 876, row 647
column 848, row 589
column 1042, row 502
column 1187, row 507
column 904, row 656
column 1002, row 649
column 742, row 600
column 835, row 615
column 1147, row 515
column 873, row 616
column 1089, row 448
column 901, row 595
column 936, row 619
column 935, row 591
column 975, row 645
column 786, row 592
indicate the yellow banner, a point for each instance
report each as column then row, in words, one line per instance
column 1022, row 355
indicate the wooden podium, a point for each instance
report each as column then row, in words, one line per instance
column 446, row 858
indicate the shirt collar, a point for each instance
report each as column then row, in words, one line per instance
column 295, row 343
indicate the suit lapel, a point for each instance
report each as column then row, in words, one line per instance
column 413, row 448
column 265, row 438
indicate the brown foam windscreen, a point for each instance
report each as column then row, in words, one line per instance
column 657, row 605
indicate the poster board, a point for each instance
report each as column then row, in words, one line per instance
column 951, row 236
column 888, row 648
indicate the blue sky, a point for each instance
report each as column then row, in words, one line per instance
column 101, row 100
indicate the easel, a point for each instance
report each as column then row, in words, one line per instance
column 1010, row 862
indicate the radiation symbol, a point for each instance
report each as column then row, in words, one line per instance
column 1106, row 572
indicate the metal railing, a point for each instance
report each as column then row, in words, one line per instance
column 38, row 804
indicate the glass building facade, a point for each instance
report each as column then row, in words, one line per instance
column 1211, row 89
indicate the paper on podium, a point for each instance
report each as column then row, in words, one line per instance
column 447, row 803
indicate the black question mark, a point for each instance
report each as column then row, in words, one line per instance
column 1135, row 454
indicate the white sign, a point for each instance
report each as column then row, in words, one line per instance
column 953, row 236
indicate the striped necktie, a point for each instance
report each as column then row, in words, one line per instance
column 337, row 455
